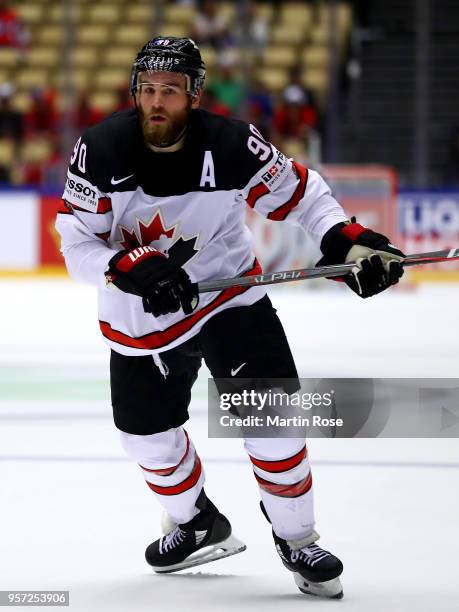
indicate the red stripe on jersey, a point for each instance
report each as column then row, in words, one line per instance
column 353, row 230
column 135, row 256
column 282, row 465
column 256, row 193
column 104, row 205
column 286, row 490
column 104, row 236
column 161, row 338
column 186, row 484
column 75, row 207
column 170, row 470
column 280, row 213
column 64, row 207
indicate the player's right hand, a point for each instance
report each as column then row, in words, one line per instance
column 148, row 273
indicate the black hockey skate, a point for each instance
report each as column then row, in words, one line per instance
column 207, row 537
column 315, row 570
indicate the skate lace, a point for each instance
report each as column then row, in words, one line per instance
column 171, row 540
column 309, row 554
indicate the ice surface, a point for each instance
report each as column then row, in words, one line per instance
column 75, row 514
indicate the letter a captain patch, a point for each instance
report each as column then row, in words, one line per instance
column 208, row 172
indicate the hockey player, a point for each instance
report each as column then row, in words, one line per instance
column 155, row 201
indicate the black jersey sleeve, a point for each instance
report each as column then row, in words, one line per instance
column 82, row 189
column 85, row 218
column 257, row 159
column 279, row 188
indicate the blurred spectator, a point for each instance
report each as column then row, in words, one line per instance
column 210, row 103
column 227, row 87
column 124, row 99
column 31, row 174
column 260, row 107
column 86, row 114
column 209, row 26
column 11, row 121
column 53, row 170
column 255, row 32
column 296, row 77
column 12, row 31
column 294, row 116
column 43, row 117
column 452, row 167
column 44, row 169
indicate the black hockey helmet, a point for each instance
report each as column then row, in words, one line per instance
column 170, row 54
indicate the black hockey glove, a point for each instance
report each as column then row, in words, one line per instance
column 378, row 263
column 148, row 273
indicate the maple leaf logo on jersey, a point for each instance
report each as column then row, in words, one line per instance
column 164, row 239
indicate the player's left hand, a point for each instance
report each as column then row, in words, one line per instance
column 374, row 270
column 378, row 264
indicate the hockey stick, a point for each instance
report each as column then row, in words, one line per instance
column 321, row 272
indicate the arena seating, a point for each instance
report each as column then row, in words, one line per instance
column 102, row 38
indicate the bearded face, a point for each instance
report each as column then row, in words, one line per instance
column 164, row 106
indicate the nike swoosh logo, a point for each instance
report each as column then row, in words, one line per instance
column 234, row 372
column 115, row 181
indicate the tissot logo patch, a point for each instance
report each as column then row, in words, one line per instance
column 80, row 192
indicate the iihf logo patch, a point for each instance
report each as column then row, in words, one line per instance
column 269, row 174
column 273, row 174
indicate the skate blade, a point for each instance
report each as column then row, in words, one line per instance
column 227, row 548
column 331, row 589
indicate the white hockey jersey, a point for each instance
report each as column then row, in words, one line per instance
column 189, row 204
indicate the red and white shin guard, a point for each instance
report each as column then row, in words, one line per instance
column 171, row 468
column 281, row 468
